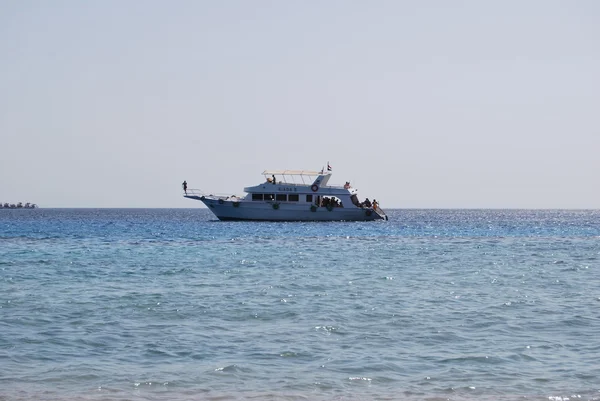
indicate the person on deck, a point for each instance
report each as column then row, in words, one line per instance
column 184, row 186
column 375, row 204
column 274, row 180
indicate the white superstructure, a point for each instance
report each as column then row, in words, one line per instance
column 292, row 195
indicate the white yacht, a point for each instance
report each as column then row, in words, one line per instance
column 291, row 195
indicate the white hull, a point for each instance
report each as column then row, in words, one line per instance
column 225, row 210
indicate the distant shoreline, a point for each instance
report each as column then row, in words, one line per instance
column 18, row 205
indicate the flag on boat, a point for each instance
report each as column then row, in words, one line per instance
column 328, row 167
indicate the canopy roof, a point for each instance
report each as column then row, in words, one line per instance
column 295, row 172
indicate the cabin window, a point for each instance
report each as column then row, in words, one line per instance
column 257, row 197
column 309, row 198
column 281, row 197
column 293, row 197
column 269, row 197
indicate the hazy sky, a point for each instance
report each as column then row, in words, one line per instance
column 421, row 104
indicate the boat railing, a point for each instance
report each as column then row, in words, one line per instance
column 283, row 182
column 338, row 186
column 195, row 192
column 295, row 184
column 199, row 193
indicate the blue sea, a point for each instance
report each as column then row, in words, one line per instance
column 171, row 304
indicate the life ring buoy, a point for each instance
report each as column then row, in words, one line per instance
column 275, row 206
column 236, row 204
column 313, row 208
column 314, row 188
column 368, row 212
column 221, row 201
column 330, row 207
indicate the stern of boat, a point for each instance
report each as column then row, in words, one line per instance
column 381, row 213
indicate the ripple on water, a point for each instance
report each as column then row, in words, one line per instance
column 142, row 304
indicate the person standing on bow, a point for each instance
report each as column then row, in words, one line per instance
column 184, row 186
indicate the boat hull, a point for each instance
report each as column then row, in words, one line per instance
column 272, row 211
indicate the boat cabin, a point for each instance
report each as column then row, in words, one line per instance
column 301, row 186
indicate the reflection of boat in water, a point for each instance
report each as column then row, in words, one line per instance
column 18, row 205
column 292, row 195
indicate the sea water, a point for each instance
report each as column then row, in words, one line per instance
column 153, row 304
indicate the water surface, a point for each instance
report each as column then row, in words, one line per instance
column 152, row 304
